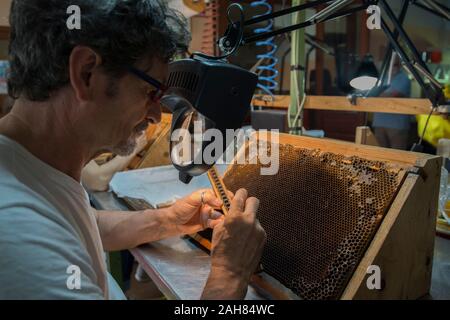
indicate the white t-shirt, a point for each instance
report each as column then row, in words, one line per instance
column 49, row 237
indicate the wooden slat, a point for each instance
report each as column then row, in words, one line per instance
column 274, row 292
column 402, row 159
column 338, row 103
column 219, row 188
column 365, row 136
column 405, row 159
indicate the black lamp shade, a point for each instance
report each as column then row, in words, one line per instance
column 214, row 94
column 366, row 76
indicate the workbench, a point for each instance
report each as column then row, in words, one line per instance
column 177, row 266
column 180, row 269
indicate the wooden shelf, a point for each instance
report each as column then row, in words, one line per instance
column 339, row 103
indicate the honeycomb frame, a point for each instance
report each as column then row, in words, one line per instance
column 320, row 213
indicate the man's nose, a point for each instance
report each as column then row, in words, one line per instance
column 154, row 113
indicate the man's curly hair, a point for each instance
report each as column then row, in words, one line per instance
column 121, row 31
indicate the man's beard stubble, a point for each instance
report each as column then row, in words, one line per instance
column 127, row 147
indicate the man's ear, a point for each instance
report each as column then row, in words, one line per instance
column 83, row 60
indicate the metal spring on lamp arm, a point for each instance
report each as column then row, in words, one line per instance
column 267, row 71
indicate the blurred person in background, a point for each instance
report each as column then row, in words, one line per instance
column 393, row 130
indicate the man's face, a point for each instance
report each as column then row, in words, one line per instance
column 129, row 109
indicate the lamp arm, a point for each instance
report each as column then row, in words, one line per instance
column 340, row 14
column 434, row 97
column 415, row 65
column 437, row 9
column 427, row 75
column 284, row 12
column 334, row 11
column 401, row 33
column 421, row 6
column 318, row 44
column 387, row 61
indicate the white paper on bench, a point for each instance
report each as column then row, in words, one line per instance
column 158, row 184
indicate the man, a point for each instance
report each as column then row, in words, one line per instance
column 75, row 99
column 392, row 130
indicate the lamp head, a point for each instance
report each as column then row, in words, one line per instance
column 366, row 76
column 204, row 94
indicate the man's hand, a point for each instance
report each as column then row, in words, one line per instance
column 190, row 215
column 125, row 230
column 237, row 244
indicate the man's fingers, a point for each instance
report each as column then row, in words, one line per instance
column 209, row 214
column 237, row 205
column 216, row 215
column 208, row 197
column 213, row 223
column 205, row 216
column 262, row 233
column 251, row 207
column 211, row 200
column 230, row 194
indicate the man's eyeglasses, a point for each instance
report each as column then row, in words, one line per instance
column 161, row 89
